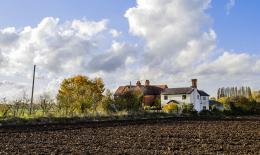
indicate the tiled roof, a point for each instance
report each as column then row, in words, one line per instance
column 175, row 91
column 146, row 90
column 202, row 93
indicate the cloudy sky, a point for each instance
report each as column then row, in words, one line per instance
column 166, row 41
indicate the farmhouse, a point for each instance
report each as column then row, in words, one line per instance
column 150, row 93
column 186, row 95
column 180, row 96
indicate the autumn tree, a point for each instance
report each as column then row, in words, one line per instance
column 79, row 94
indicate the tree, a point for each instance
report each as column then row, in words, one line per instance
column 4, row 108
column 107, row 103
column 234, row 92
column 256, row 96
column 239, row 105
column 130, row 101
column 79, row 94
column 46, row 103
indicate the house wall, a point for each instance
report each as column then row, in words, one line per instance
column 177, row 98
column 204, row 102
column 149, row 100
column 193, row 98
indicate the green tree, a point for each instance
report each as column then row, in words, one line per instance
column 130, row 101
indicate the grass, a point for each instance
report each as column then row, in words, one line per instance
column 37, row 118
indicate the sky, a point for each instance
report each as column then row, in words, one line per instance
column 166, row 41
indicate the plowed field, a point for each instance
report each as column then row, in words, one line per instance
column 135, row 137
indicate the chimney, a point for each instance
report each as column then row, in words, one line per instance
column 147, row 83
column 138, row 83
column 194, row 83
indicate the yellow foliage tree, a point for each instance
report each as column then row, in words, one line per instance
column 79, row 94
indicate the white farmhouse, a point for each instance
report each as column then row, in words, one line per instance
column 186, row 95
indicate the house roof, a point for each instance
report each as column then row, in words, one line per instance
column 146, row 90
column 202, row 93
column 213, row 102
column 176, row 91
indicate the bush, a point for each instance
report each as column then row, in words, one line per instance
column 129, row 101
column 205, row 113
column 147, row 107
column 170, row 107
column 4, row 110
column 217, row 112
column 239, row 106
column 188, row 109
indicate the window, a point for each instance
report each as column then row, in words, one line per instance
column 204, row 108
column 183, row 97
column 204, row 97
column 165, row 97
column 198, row 97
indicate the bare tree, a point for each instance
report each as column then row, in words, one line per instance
column 46, row 103
column 4, row 108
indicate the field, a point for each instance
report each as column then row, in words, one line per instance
column 167, row 136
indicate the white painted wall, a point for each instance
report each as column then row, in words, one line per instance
column 193, row 98
column 177, row 98
column 205, row 102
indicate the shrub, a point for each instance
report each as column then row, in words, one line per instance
column 157, row 104
column 4, row 110
column 239, row 106
column 170, row 107
column 216, row 112
column 107, row 104
column 147, row 107
column 187, row 109
column 130, row 101
column 205, row 113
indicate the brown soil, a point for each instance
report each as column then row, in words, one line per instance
column 147, row 137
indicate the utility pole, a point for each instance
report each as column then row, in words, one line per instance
column 30, row 112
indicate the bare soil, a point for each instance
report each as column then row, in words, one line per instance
column 135, row 137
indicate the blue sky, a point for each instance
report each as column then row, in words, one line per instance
column 238, row 31
column 166, row 41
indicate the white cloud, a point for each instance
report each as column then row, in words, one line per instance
column 115, row 58
column 257, row 67
column 228, row 64
column 180, row 44
column 59, row 49
column 115, row 33
column 172, row 29
column 177, row 33
column 230, row 5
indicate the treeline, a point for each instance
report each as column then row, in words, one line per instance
column 239, row 100
column 77, row 96
column 234, row 92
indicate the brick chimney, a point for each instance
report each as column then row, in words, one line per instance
column 147, row 83
column 138, row 83
column 194, row 83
